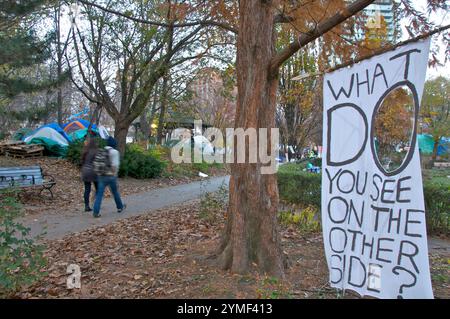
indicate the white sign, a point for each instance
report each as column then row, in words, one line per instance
column 373, row 216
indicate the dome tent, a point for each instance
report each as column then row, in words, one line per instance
column 77, row 133
column 78, row 124
column 52, row 137
column 53, row 126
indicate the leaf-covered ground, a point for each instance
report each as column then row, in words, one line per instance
column 165, row 254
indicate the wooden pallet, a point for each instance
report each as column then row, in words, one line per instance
column 28, row 155
column 25, row 151
column 5, row 145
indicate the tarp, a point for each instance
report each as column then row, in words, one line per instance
column 50, row 145
column 56, row 127
column 426, row 145
column 54, row 142
column 48, row 131
column 21, row 134
column 103, row 132
column 80, row 134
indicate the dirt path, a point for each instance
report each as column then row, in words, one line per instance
column 64, row 222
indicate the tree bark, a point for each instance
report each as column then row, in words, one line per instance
column 162, row 111
column 435, row 151
column 120, row 134
column 145, row 127
column 252, row 234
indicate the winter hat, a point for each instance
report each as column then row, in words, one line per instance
column 111, row 142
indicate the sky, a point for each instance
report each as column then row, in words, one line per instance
column 440, row 18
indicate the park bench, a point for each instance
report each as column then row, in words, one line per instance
column 442, row 164
column 26, row 177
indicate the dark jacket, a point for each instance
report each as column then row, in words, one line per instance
column 87, row 167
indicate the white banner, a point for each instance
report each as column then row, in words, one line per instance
column 373, row 211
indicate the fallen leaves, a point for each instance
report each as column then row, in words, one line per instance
column 164, row 255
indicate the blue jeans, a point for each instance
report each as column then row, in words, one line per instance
column 104, row 181
column 87, row 192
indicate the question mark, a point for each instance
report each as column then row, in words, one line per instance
column 396, row 270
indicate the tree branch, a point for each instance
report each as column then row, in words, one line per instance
column 163, row 24
column 318, row 31
column 388, row 48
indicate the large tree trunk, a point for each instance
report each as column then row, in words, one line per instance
column 120, row 134
column 252, row 234
column 145, row 127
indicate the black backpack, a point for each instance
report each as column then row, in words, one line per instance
column 102, row 163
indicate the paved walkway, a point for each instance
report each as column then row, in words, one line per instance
column 57, row 226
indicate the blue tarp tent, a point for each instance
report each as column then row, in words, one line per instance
column 58, row 129
column 426, row 144
column 54, row 126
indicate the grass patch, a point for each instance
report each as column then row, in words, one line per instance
column 302, row 188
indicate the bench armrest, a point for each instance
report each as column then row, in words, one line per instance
column 48, row 179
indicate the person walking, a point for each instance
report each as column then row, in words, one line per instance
column 88, row 175
column 106, row 165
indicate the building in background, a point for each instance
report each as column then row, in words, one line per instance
column 380, row 14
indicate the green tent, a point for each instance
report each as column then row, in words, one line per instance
column 426, row 143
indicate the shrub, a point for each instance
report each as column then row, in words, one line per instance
column 21, row 259
column 299, row 187
column 213, row 204
column 3, row 136
column 140, row 163
column 437, row 204
column 302, row 163
column 205, row 167
column 306, row 220
column 158, row 151
column 75, row 150
column 316, row 162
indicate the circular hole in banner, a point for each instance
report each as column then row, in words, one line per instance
column 393, row 133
